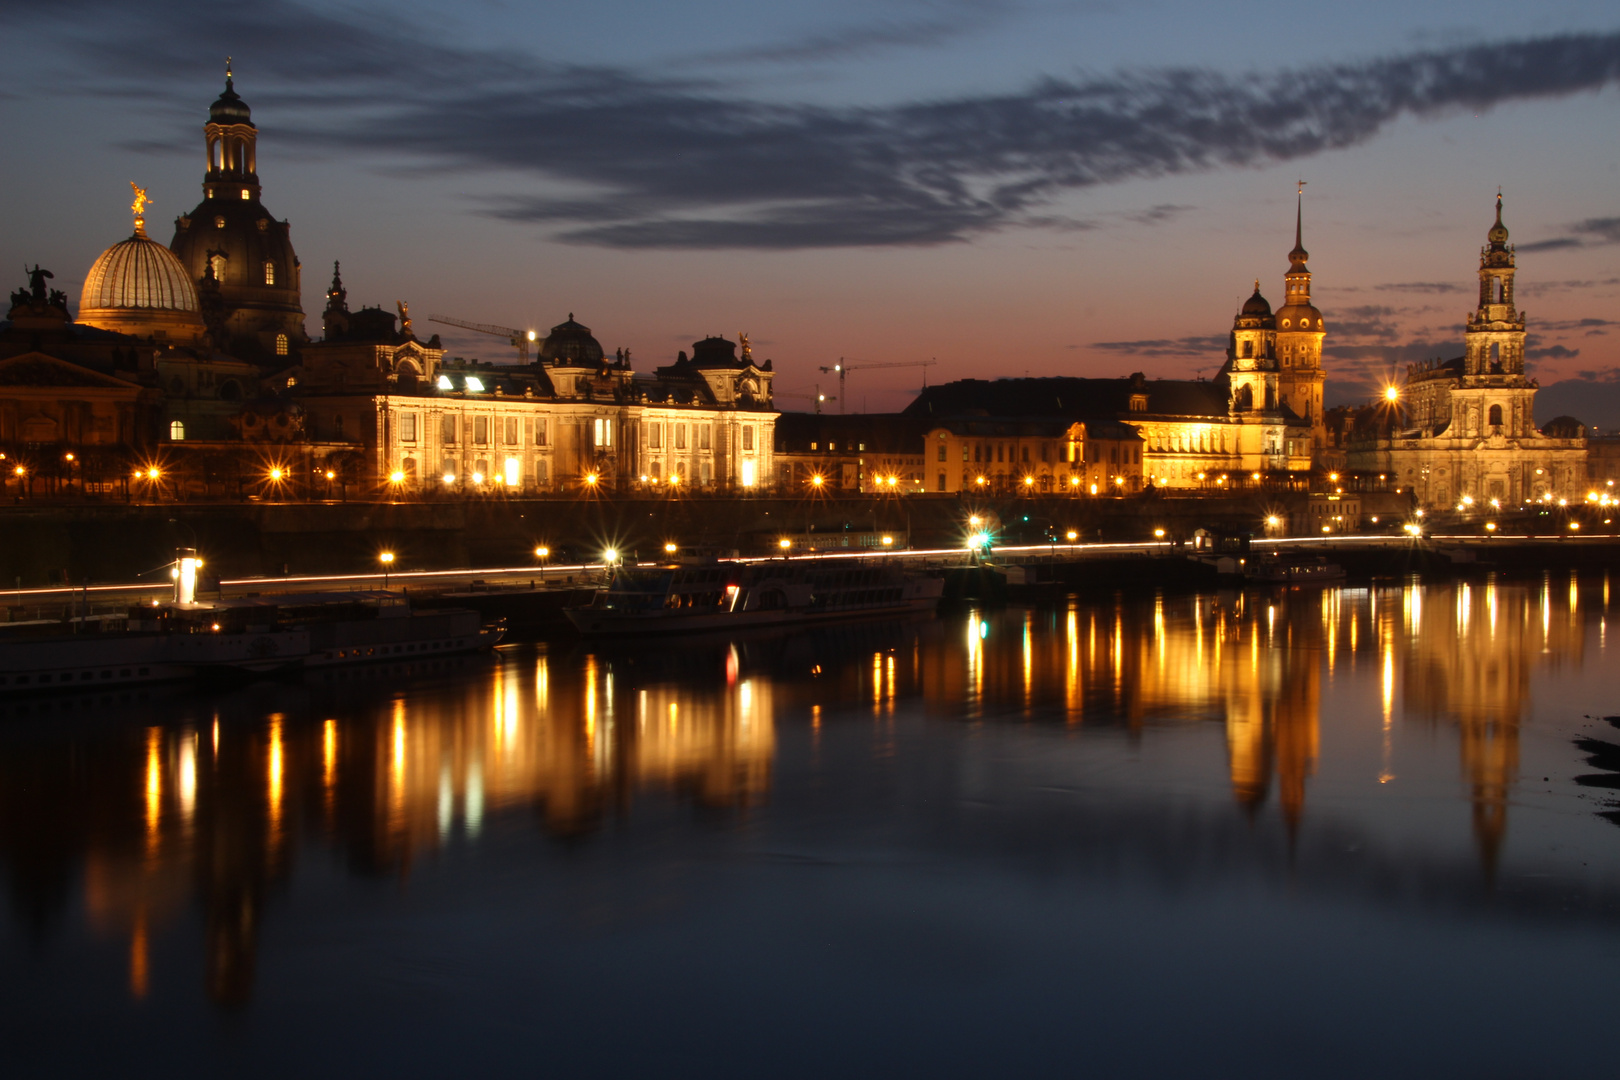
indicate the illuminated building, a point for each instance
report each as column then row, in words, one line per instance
column 1466, row 426
column 1246, row 420
column 238, row 255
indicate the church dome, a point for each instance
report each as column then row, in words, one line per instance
column 1256, row 306
column 570, row 344
column 229, row 108
column 1300, row 317
column 138, row 287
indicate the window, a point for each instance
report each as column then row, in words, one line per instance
column 703, row 436
column 1496, row 415
column 281, row 344
column 217, row 264
column 511, row 432
column 655, row 436
column 812, row 444
column 480, row 431
column 680, row 437
column 748, row 474
column 449, row 429
column 1138, row 403
column 602, row 432
column 177, row 430
column 1025, row 455
column 407, row 427
column 540, row 471
column 246, row 195
column 269, row 273
column 748, row 438
column 941, row 451
column 514, row 472
column 1496, row 290
column 408, row 467
column 942, row 481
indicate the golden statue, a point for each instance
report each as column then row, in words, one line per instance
column 404, row 317
column 747, row 350
column 139, row 206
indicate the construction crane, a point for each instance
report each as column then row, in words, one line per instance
column 808, row 393
column 518, row 339
column 842, row 369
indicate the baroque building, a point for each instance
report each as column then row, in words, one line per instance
column 240, row 257
column 1465, row 427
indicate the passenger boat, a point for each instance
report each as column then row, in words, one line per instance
column 1299, row 570
column 241, row 636
column 684, row 598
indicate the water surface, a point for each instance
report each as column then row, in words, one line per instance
column 1324, row 833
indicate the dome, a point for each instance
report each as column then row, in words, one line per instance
column 1498, row 235
column 138, row 287
column 1256, row 306
column 570, row 343
column 228, row 108
column 1300, row 317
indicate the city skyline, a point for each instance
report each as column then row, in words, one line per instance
column 1006, row 188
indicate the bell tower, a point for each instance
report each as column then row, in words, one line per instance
column 1495, row 329
column 1300, row 334
column 232, row 140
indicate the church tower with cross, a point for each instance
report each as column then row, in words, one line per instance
column 1300, row 334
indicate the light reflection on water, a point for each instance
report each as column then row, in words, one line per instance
column 1221, row 738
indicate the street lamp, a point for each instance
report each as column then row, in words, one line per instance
column 542, row 553
column 1073, row 535
column 670, row 548
column 784, row 544
column 387, row 560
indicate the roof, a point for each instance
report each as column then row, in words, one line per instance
column 1070, row 397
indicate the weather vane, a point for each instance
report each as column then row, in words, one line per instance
column 227, row 69
column 1301, row 190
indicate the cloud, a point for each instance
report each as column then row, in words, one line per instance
column 1593, row 232
column 1605, row 375
column 1159, row 214
column 1205, row 348
column 1551, row 352
column 1420, row 287
column 942, row 22
column 663, row 162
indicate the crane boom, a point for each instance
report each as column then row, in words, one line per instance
column 842, row 369
column 518, row 339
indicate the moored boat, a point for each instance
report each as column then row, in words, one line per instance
column 677, row 598
column 241, row 636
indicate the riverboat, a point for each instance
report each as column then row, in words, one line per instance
column 677, row 598
column 240, row 636
column 1300, row 570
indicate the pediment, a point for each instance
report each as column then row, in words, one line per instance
column 41, row 369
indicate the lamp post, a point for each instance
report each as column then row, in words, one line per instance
column 542, row 553
column 387, row 560
column 785, row 544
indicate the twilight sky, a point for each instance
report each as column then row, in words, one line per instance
column 1007, row 186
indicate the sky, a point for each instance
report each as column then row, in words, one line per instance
column 1004, row 187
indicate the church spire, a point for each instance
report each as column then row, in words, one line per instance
column 1297, row 257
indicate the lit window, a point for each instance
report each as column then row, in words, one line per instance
column 445, row 383
column 281, row 344
column 748, row 473
column 269, row 273
column 177, row 430
column 475, row 384
column 218, row 264
column 514, row 472
column 219, row 223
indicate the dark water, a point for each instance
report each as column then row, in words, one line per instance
column 1311, row 834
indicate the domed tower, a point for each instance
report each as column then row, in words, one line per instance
column 1251, row 362
column 138, row 287
column 249, row 252
column 570, row 344
column 1300, row 334
column 1495, row 330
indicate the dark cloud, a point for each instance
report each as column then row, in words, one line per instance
column 940, row 22
column 1551, row 352
column 1593, row 232
column 669, row 163
column 1420, row 287
column 1607, row 375
column 1159, row 214
column 1563, row 325
column 1212, row 347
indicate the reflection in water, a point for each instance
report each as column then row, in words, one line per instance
column 396, row 765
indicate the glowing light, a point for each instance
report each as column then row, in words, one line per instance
column 1414, row 529
column 817, row 480
column 1158, row 533
column 151, row 474
column 1029, row 481
column 474, row 383
column 610, row 556
column 670, row 548
column 1392, row 393
column 396, row 477
column 887, row 541
column 1273, row 521
column 1074, row 481
column 1073, row 536
column 1490, row 526
column 1574, row 525
column 514, row 472
column 478, row 478
column 784, row 543
column 975, row 521
column 386, row 557
column 449, row 478
column 590, row 479
column 445, row 383
column 978, row 540
column 979, row 481
column 542, row 552
column 330, row 474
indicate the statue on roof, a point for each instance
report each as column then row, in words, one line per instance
column 36, row 283
column 747, row 349
column 404, row 314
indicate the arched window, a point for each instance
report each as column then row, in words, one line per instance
column 217, row 262
column 177, row 430
column 281, row 344
column 1248, row 350
column 1496, row 290
column 269, row 272
column 1496, row 415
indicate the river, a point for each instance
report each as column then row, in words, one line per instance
column 1335, row 832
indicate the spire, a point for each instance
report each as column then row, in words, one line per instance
column 337, row 296
column 1297, row 257
column 227, row 73
column 1498, row 235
